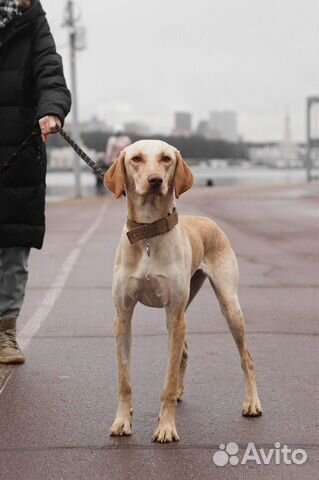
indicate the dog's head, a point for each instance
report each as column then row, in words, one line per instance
column 149, row 167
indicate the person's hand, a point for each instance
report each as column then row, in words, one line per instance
column 24, row 4
column 49, row 124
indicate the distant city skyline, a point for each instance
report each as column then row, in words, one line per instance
column 255, row 58
column 227, row 129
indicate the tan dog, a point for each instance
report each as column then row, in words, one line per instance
column 167, row 270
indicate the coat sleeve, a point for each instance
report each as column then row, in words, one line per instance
column 51, row 93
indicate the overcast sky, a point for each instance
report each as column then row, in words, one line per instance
column 145, row 59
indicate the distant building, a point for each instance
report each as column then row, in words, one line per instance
column 202, row 128
column 277, row 155
column 214, row 134
column 95, row 124
column 223, row 125
column 183, row 124
column 136, row 128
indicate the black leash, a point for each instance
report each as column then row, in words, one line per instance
column 37, row 132
column 28, row 141
column 81, row 153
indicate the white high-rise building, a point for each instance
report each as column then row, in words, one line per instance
column 224, row 125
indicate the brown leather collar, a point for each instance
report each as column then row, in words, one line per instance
column 140, row 231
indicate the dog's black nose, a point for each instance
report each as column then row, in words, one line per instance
column 154, row 181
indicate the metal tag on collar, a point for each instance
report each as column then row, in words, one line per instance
column 148, row 249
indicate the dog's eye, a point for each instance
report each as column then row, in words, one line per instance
column 166, row 159
column 136, row 159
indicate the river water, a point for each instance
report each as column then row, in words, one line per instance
column 61, row 184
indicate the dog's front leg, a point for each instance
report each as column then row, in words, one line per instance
column 123, row 334
column 166, row 430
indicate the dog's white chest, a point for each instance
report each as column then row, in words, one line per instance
column 159, row 278
column 150, row 288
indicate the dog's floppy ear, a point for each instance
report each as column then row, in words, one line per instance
column 183, row 177
column 114, row 179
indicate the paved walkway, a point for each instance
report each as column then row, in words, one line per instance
column 56, row 410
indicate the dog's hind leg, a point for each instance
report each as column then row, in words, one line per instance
column 223, row 274
column 123, row 334
column 197, row 281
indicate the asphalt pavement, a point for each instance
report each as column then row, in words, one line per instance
column 57, row 408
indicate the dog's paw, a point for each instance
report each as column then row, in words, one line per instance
column 121, row 426
column 252, row 407
column 165, row 433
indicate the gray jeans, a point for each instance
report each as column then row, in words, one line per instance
column 13, row 279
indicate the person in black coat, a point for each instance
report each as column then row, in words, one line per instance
column 33, row 92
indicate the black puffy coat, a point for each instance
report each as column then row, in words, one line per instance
column 32, row 85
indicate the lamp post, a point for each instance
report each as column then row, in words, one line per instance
column 76, row 35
